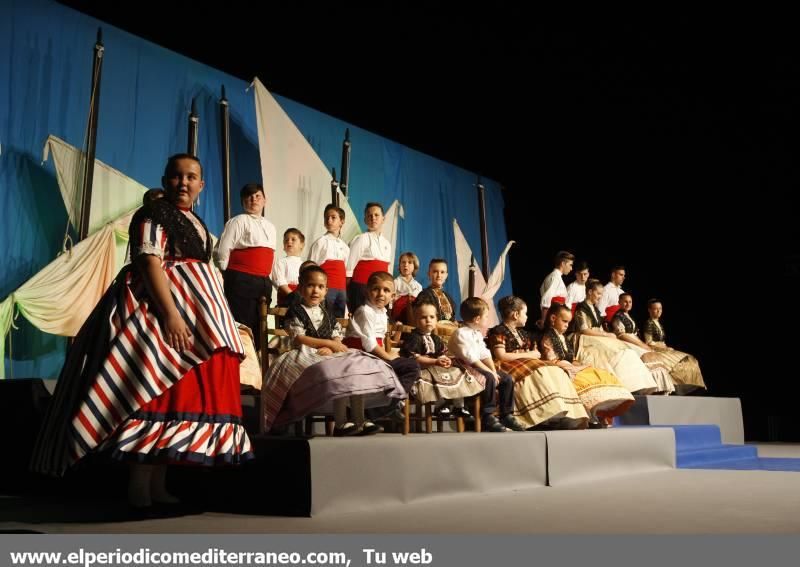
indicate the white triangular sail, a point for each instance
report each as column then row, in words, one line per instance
column 113, row 193
column 483, row 289
column 296, row 181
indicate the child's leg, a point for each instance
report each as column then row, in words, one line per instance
column 489, row 394
column 506, row 391
column 340, row 412
column 407, row 370
column 139, row 482
column 357, row 410
column 158, row 486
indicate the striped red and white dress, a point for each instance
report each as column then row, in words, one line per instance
column 145, row 400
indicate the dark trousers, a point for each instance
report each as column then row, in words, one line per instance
column 356, row 295
column 244, row 293
column 337, row 301
column 494, row 393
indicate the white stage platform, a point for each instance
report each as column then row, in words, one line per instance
column 349, row 475
column 689, row 410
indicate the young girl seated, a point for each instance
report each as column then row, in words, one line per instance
column 686, row 371
column 624, row 327
column 435, row 293
column 601, row 349
column 368, row 327
column 601, row 393
column 406, row 288
column 467, row 345
column 543, row 393
column 440, row 379
column 320, row 372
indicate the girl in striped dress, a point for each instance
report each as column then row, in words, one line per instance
column 153, row 375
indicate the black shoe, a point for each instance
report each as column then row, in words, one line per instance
column 346, row 430
column 492, row 424
column 464, row 414
column 596, row 424
column 442, row 412
column 369, row 428
column 513, row 423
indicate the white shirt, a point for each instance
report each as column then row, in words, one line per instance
column 468, row 345
column 402, row 287
column 368, row 323
column 368, row 246
column 286, row 270
column 575, row 293
column 328, row 247
column 244, row 231
column 552, row 286
column 611, row 293
column 295, row 327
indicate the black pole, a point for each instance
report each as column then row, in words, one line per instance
column 225, row 132
column 191, row 149
column 194, row 122
column 94, row 108
column 472, row 269
column 484, row 234
column 344, row 181
column 334, row 187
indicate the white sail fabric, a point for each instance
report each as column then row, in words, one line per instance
column 297, row 182
column 113, row 193
column 483, row 289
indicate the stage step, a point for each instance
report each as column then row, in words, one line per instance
column 589, row 456
column 725, row 413
column 353, row 474
column 701, row 447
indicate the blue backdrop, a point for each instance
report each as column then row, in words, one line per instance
column 45, row 76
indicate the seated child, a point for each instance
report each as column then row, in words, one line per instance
column 435, row 293
column 686, row 372
column 406, row 288
column 368, row 327
column 601, row 393
column 321, row 370
column 440, row 379
column 468, row 346
column 543, row 393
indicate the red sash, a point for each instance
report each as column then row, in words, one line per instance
column 365, row 268
column 399, row 308
column 256, row 261
column 610, row 310
column 337, row 273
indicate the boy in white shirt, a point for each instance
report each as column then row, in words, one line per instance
column 331, row 253
column 467, row 345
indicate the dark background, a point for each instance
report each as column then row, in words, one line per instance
column 668, row 147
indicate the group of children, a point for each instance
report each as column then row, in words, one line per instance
column 604, row 332
column 153, row 375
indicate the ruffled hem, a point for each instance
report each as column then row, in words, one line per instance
column 180, row 441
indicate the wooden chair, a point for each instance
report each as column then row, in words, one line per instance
column 424, row 413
